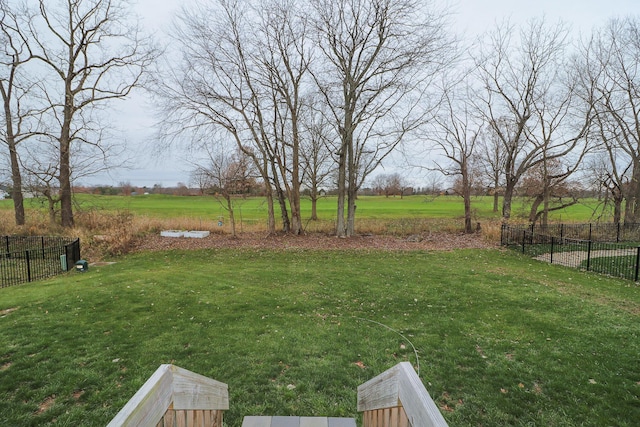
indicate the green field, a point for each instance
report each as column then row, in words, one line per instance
column 499, row 339
column 368, row 207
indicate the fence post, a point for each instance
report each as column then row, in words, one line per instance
column 590, row 226
column 561, row 231
column 635, row 277
column 552, row 241
column 589, row 250
column 524, row 239
column 618, row 233
column 26, row 255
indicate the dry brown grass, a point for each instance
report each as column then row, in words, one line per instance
column 107, row 234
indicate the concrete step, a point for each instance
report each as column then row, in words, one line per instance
column 297, row 422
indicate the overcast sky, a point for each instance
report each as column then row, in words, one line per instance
column 471, row 17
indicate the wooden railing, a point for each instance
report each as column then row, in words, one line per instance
column 397, row 398
column 173, row 396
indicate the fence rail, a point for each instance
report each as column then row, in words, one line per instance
column 28, row 258
column 611, row 249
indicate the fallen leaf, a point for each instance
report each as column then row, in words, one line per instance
column 592, row 381
column 360, row 365
column 504, row 391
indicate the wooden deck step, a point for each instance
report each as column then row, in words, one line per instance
column 297, row 422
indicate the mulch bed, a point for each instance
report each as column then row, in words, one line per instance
column 430, row 241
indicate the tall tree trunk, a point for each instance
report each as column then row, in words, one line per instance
column 341, row 230
column 509, row 191
column 16, row 179
column 294, row 197
column 466, row 195
column 617, row 208
column 232, row 218
column 496, row 194
column 66, row 208
column 352, row 189
column 51, row 205
column 284, row 214
column 271, row 219
column 630, row 203
column 282, row 199
column 533, row 212
column 314, row 203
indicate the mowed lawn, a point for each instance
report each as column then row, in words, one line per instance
column 499, row 339
column 254, row 209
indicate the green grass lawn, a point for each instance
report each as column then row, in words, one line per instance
column 500, row 339
column 369, row 207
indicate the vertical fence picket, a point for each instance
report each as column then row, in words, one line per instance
column 26, row 256
column 635, row 276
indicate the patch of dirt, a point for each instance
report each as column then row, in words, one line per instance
column 48, row 403
column 7, row 311
column 5, row 366
column 430, row 241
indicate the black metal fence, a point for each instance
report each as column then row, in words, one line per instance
column 28, row 258
column 604, row 248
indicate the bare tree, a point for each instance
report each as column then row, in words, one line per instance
column 315, row 155
column 95, row 54
column 41, row 175
column 455, row 135
column 15, row 88
column 285, row 56
column 611, row 85
column 548, row 187
column 607, row 176
column 226, row 176
column 526, row 100
column 243, row 72
column 390, row 184
column 491, row 162
column 378, row 58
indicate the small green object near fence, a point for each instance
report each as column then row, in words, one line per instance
column 82, row 266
